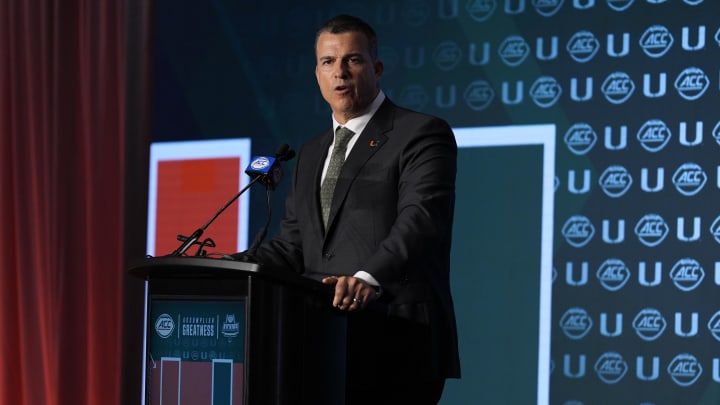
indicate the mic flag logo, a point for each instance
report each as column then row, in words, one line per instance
column 260, row 164
column 265, row 167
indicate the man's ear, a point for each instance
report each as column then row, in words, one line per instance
column 379, row 68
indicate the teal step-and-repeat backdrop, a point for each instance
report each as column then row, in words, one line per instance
column 605, row 291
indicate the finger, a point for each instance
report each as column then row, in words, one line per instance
column 329, row 280
column 341, row 293
column 358, row 303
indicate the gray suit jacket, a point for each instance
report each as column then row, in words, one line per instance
column 392, row 217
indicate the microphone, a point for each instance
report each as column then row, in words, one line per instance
column 267, row 169
column 282, row 154
column 262, row 169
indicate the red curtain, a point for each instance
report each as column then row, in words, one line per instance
column 62, row 201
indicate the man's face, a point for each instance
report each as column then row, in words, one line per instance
column 347, row 75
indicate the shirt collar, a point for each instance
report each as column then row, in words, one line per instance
column 358, row 124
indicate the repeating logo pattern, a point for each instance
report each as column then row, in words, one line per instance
column 633, row 88
column 637, row 226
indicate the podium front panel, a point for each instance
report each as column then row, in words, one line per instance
column 196, row 351
column 223, row 332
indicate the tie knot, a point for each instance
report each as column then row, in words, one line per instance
column 342, row 137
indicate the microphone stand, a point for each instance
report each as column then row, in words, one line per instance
column 192, row 239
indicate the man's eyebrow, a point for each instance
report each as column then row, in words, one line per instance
column 343, row 57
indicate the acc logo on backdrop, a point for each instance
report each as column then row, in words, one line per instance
column 689, row 179
column 390, row 59
column 615, row 181
column 447, row 56
column 691, row 83
column 611, row 367
column 714, row 325
column 583, row 46
column 478, row 95
column 684, row 369
column 651, row 230
column 547, row 8
column 580, row 138
column 656, row 41
column 481, row 10
column 620, row 5
column 414, row 96
column 654, row 135
column 618, row 87
column 716, row 131
column 715, row 229
column 513, row 50
column 575, row 323
column 545, row 91
column 613, row 274
column 578, row 230
column 649, row 324
column 687, row 274
column 415, row 13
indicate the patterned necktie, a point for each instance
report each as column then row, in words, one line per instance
column 337, row 158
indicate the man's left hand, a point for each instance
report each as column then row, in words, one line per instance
column 351, row 293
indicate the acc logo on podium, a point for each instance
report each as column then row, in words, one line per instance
column 164, row 326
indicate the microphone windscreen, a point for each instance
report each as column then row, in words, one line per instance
column 282, row 150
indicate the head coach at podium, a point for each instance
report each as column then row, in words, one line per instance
column 370, row 210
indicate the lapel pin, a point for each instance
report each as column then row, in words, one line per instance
column 373, row 143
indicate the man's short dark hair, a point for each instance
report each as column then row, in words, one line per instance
column 347, row 23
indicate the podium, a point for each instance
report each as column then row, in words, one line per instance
column 230, row 332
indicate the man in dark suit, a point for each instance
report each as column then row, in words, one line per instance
column 383, row 236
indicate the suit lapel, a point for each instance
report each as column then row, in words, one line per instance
column 317, row 158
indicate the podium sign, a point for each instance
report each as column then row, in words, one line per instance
column 221, row 332
column 196, row 351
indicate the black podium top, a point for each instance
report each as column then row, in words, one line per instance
column 190, row 267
